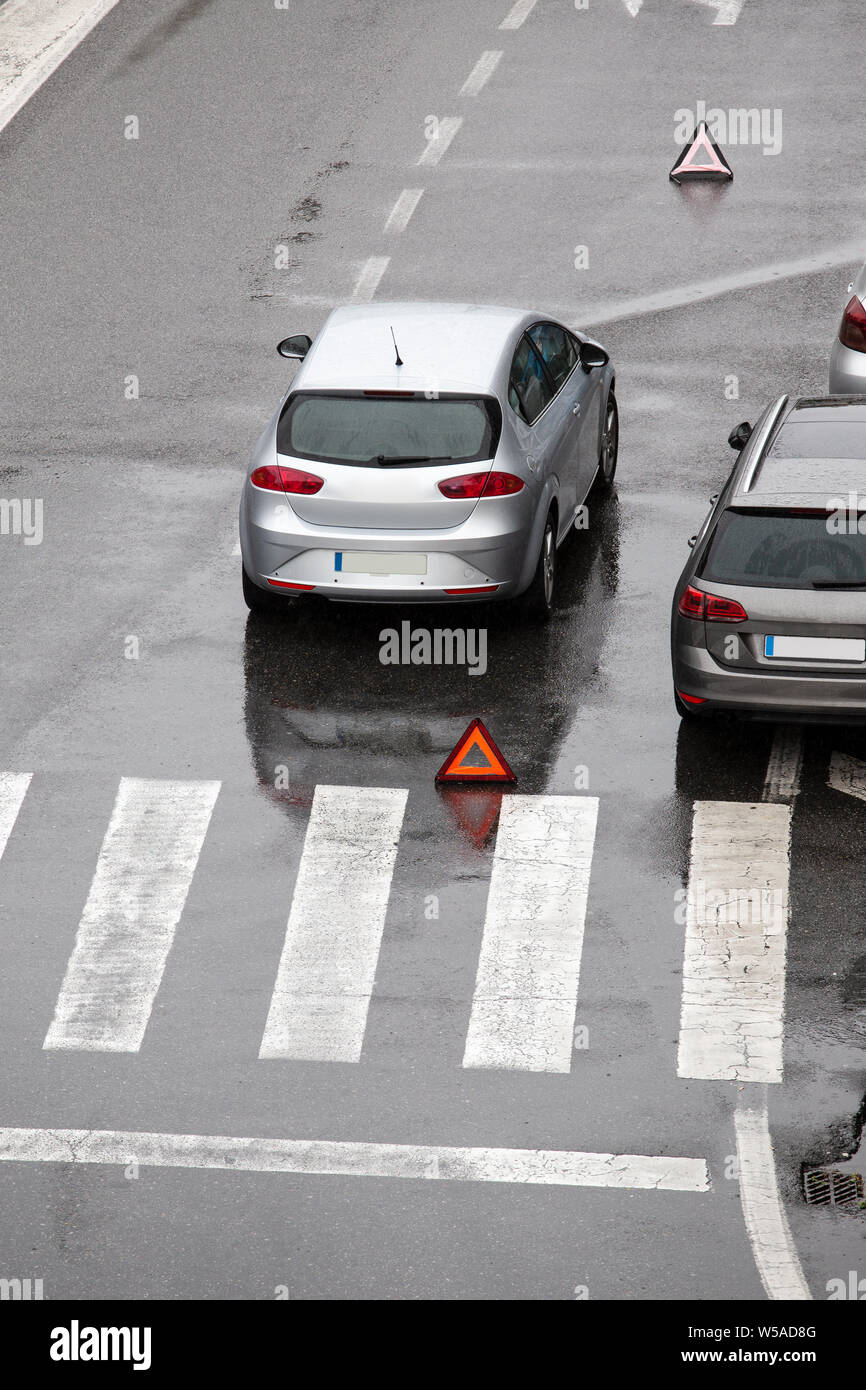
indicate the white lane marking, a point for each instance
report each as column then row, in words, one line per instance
column 446, row 129
column 403, row 209
column 236, row 548
column 727, row 11
column 830, row 259
column 782, row 782
column 633, row 7
column 558, row 1167
column 529, row 967
column 481, row 73
column 519, row 11
column 325, row 979
column 13, row 789
column 736, row 922
column 767, row 1226
column 35, row 39
column 142, row 878
column 368, row 280
column 847, row 775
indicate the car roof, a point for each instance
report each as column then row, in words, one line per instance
column 445, row 347
column 786, row 479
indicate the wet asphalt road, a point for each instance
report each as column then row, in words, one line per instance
column 156, row 257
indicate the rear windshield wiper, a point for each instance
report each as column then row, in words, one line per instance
column 839, row 583
column 384, row 460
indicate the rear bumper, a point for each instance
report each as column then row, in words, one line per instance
column 489, row 548
column 779, row 695
column 847, row 371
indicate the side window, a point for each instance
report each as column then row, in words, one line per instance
column 557, row 350
column 528, row 387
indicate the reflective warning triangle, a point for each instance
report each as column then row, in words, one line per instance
column 475, row 758
column 701, row 159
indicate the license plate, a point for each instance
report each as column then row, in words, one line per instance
column 815, row 648
column 379, row 562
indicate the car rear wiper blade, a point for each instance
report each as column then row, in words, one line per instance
column 839, row 583
column 384, row 460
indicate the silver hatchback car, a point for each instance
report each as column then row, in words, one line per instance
column 427, row 453
column 848, row 356
column 769, row 614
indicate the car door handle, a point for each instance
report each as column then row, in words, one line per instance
column 575, row 409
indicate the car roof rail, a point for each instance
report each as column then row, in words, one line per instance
column 758, row 443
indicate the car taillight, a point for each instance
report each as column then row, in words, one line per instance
column 480, row 485
column 712, row 608
column 852, row 330
column 277, row 478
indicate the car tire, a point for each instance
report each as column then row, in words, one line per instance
column 256, row 599
column 540, row 597
column 609, row 445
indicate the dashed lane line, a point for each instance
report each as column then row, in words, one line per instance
column 368, row 281
column 403, row 209
column 520, row 11
column 446, row 129
column 481, row 73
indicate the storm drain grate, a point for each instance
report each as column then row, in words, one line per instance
column 825, row 1188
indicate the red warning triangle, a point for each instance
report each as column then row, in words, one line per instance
column 475, row 759
column 701, row 159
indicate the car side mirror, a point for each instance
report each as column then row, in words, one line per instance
column 591, row 355
column 739, row 437
column 693, row 540
column 296, row 347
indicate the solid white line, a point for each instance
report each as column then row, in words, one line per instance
column 529, row 967
column 34, row 40
column 141, row 882
column 13, row 789
column 782, row 782
column 360, row 1160
column 403, row 209
column 847, row 775
column 368, row 280
column 517, row 14
column 481, row 73
column 736, row 922
column 325, row 979
column 831, row 259
column 446, row 129
column 767, row 1226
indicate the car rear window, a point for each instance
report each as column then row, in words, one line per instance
column 369, row 428
column 786, row 549
column 820, row 439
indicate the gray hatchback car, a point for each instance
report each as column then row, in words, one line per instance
column 769, row 614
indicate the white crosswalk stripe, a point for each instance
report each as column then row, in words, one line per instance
column 325, row 980
column 529, row 967
column 736, row 926
column 141, row 882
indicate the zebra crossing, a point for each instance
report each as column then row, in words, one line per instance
column 527, row 980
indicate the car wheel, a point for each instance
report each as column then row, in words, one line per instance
column 256, row 599
column 541, row 594
column 609, row 444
